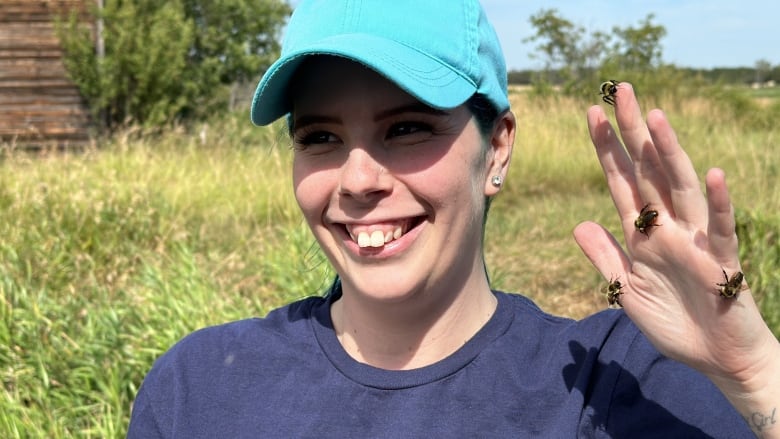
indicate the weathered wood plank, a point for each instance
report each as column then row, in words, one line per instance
column 28, row 36
column 41, row 83
column 31, row 69
column 41, row 11
column 38, row 102
column 33, row 88
column 14, row 99
column 10, row 53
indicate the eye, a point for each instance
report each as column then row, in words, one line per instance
column 305, row 138
column 408, row 128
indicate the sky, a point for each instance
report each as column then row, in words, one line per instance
column 699, row 33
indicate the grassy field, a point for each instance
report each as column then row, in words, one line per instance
column 110, row 256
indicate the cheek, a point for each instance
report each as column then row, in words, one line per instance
column 457, row 180
column 311, row 189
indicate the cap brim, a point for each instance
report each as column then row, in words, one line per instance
column 424, row 77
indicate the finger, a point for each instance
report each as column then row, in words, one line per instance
column 602, row 249
column 721, row 228
column 684, row 189
column 650, row 176
column 616, row 164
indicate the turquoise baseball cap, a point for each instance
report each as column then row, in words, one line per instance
column 439, row 51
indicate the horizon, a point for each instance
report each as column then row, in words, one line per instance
column 700, row 34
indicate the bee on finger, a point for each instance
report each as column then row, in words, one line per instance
column 608, row 91
column 733, row 285
column 646, row 220
column 613, row 290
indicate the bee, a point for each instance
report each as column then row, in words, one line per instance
column 613, row 292
column 646, row 220
column 733, row 285
column 608, row 91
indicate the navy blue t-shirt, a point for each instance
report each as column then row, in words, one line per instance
column 524, row 374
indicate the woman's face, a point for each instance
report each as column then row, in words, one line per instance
column 392, row 189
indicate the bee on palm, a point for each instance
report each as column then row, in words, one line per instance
column 612, row 291
column 733, row 285
column 646, row 220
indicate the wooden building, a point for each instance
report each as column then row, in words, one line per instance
column 39, row 106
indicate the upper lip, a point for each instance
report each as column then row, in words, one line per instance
column 373, row 221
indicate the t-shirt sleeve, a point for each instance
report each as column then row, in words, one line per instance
column 143, row 423
column 165, row 386
column 655, row 396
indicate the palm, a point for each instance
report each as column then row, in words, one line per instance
column 670, row 272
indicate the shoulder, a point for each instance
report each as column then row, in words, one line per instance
column 214, row 363
column 629, row 388
column 584, row 350
column 281, row 326
column 281, row 337
column 596, row 329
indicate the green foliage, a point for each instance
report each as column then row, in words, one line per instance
column 564, row 48
column 638, row 48
column 577, row 61
column 110, row 257
column 729, row 75
column 235, row 39
column 576, row 58
column 663, row 83
column 759, row 235
column 167, row 60
column 739, row 105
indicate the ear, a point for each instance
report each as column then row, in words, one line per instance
column 501, row 143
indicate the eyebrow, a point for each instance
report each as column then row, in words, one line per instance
column 415, row 107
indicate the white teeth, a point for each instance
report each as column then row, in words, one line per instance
column 377, row 238
column 363, row 239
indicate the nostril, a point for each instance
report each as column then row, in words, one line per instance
column 362, row 176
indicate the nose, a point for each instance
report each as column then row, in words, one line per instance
column 363, row 177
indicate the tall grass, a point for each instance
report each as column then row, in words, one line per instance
column 109, row 256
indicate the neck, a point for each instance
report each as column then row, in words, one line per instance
column 417, row 332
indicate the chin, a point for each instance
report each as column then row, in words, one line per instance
column 389, row 290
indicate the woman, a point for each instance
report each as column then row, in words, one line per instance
column 402, row 133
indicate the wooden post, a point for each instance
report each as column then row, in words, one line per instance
column 100, row 48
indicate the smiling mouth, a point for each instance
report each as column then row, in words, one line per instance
column 377, row 235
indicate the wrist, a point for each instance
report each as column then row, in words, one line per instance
column 755, row 392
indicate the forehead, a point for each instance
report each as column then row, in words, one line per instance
column 322, row 79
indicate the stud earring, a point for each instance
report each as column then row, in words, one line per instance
column 497, row 180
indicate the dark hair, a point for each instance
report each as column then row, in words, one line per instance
column 486, row 115
column 484, row 112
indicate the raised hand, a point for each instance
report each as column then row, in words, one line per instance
column 672, row 269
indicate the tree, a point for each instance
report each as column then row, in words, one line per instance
column 580, row 58
column 169, row 60
column 763, row 71
column 639, row 48
column 568, row 51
